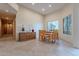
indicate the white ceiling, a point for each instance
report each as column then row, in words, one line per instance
column 7, row 8
column 37, row 7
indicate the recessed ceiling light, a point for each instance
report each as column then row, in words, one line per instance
column 43, row 9
column 6, row 10
column 50, row 5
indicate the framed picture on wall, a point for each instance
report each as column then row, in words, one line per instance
column 67, row 22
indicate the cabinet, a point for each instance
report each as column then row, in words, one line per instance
column 0, row 28
column 24, row 36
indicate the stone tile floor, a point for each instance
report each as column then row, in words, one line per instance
column 37, row 48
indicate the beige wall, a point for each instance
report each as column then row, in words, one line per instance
column 67, row 11
column 59, row 15
column 29, row 19
column 76, row 25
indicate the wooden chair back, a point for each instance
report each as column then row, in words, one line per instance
column 42, row 34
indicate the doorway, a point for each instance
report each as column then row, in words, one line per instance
column 54, row 25
column 7, row 26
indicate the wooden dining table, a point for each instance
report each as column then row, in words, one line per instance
column 50, row 36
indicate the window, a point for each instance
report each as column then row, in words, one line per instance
column 53, row 25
